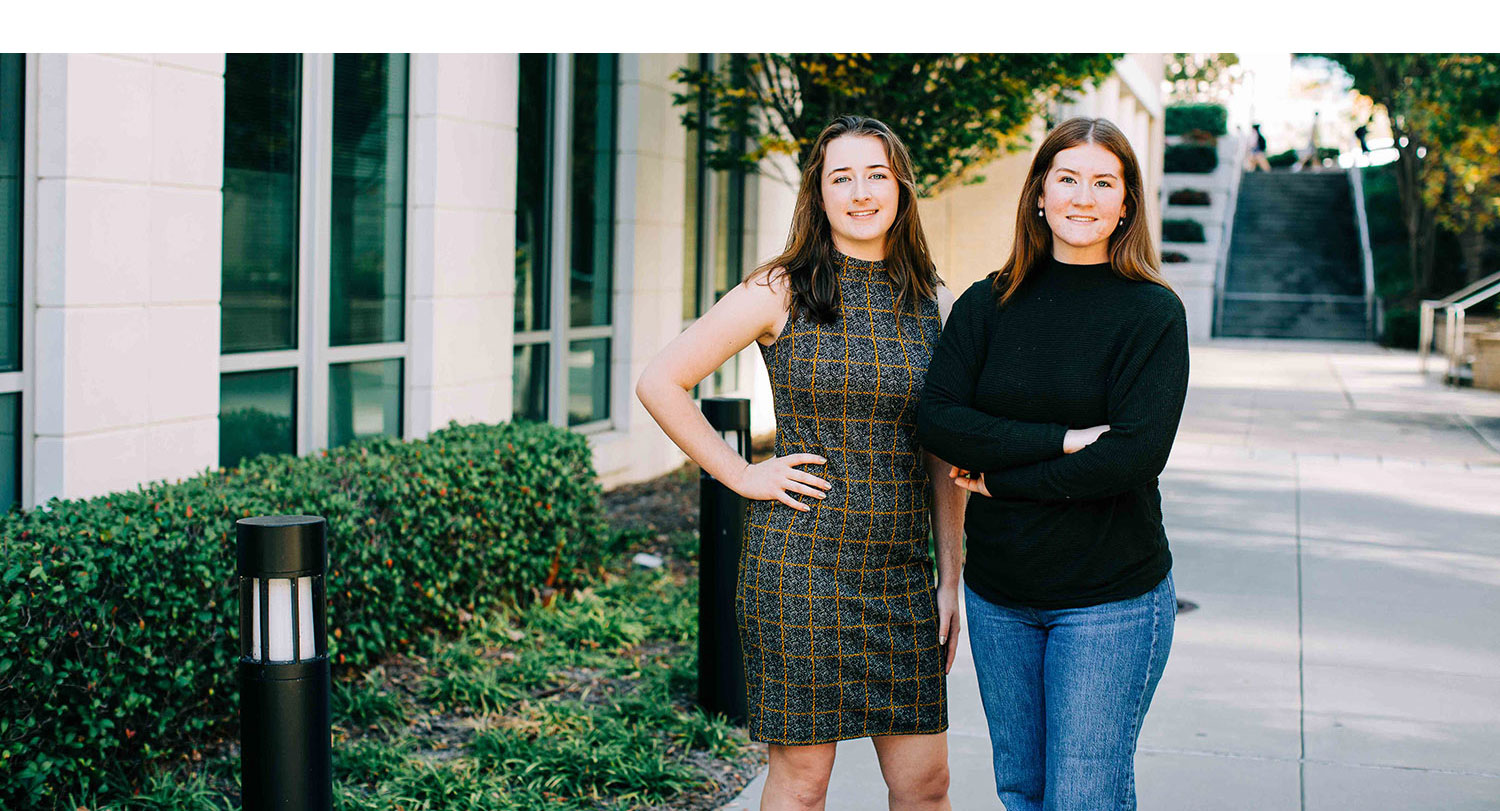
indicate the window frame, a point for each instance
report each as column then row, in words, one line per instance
column 559, row 334
column 21, row 381
column 743, row 199
column 313, row 354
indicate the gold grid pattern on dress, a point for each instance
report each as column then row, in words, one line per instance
column 837, row 610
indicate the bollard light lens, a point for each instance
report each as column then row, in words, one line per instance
column 281, row 622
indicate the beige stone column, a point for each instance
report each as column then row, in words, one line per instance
column 127, row 276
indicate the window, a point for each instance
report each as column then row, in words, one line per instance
column 565, row 189
column 313, row 359
column 12, row 154
column 257, row 414
column 262, row 152
column 367, row 251
column 368, row 234
column 364, row 400
column 262, row 201
column 717, row 205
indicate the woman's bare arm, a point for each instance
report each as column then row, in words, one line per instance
column 948, row 529
column 753, row 311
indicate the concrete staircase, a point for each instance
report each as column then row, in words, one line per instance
column 1294, row 267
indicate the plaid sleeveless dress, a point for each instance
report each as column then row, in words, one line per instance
column 837, row 606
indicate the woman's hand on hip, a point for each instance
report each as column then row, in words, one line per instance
column 1076, row 439
column 968, row 480
column 773, row 479
column 948, row 623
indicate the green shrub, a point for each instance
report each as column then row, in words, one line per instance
column 1189, row 197
column 1401, row 329
column 1281, row 160
column 1199, row 158
column 1388, row 240
column 1185, row 118
column 117, row 630
column 1173, row 257
column 1383, row 204
column 1328, row 153
column 1182, row 231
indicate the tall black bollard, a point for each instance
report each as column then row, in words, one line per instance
column 285, row 750
column 721, row 671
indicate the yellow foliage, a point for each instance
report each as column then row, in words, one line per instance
column 1462, row 180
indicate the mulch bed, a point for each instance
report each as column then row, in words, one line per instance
column 667, row 508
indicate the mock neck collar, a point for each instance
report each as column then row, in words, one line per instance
column 856, row 264
column 1054, row 262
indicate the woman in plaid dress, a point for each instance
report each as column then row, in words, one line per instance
column 844, row 633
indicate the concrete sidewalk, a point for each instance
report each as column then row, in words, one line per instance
column 1336, row 517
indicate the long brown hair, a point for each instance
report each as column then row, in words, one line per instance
column 808, row 259
column 1132, row 253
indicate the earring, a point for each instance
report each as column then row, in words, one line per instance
column 1041, row 213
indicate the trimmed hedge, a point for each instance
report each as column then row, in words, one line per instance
column 1182, row 231
column 119, row 622
column 1199, row 158
column 1185, row 118
column 1189, row 197
column 1282, row 159
column 1402, row 329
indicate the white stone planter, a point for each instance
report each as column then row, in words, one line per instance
column 1487, row 361
column 1211, row 215
column 1194, row 284
column 1196, row 252
column 1189, row 274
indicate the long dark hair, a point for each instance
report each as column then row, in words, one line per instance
column 1132, row 253
column 808, row 260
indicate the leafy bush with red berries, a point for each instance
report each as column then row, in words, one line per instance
column 118, row 614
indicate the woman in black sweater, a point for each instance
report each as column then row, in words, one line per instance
column 1056, row 389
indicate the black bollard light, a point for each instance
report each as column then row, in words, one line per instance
column 285, row 749
column 721, row 528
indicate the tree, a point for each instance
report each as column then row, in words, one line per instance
column 954, row 111
column 1430, row 99
column 1202, row 77
column 1462, row 186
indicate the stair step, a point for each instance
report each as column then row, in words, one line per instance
column 1293, row 319
column 1294, row 234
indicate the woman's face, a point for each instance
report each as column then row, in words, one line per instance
column 860, row 195
column 1084, row 200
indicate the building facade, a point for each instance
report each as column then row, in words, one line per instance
column 207, row 257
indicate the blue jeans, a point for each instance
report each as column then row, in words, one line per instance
column 1064, row 694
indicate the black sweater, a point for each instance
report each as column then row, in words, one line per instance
column 1076, row 346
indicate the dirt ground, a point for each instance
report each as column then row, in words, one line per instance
column 666, row 510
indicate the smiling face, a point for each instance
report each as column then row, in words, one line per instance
column 1084, row 200
column 860, row 195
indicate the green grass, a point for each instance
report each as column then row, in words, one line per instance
column 196, row 789
column 581, row 704
column 369, row 702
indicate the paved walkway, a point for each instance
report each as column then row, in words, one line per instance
column 1337, row 519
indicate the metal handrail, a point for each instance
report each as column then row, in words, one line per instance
column 1357, row 187
column 1221, row 264
column 1455, row 313
column 1429, row 316
column 1323, row 298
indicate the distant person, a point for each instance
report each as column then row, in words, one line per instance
column 1310, row 160
column 1256, row 160
column 1361, row 133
